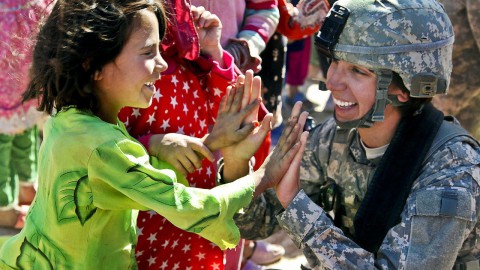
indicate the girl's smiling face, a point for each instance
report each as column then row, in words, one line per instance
column 353, row 89
column 129, row 79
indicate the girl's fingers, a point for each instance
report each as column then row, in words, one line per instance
column 292, row 120
column 256, row 87
column 202, row 151
column 179, row 167
column 204, row 16
column 239, row 93
column 187, row 164
column 231, row 96
column 248, row 88
column 256, row 94
column 223, row 101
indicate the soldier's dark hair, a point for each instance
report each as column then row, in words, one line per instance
column 78, row 39
column 414, row 104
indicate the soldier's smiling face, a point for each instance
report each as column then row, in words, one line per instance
column 353, row 89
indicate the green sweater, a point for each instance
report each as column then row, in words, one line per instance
column 91, row 175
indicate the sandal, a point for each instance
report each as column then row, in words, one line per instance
column 266, row 253
column 13, row 218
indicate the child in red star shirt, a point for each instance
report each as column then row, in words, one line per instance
column 183, row 108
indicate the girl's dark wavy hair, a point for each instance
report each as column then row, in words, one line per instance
column 78, row 39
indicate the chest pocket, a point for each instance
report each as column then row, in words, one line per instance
column 351, row 180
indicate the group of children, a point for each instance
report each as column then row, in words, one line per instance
column 92, row 173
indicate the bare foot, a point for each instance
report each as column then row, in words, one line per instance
column 26, row 194
column 12, row 218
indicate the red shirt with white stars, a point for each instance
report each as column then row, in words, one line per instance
column 185, row 102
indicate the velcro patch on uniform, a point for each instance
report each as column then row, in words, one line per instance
column 453, row 203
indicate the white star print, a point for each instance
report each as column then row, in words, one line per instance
column 209, row 171
column 195, row 116
column 202, row 124
column 174, row 80
column 217, row 91
column 186, row 248
column 127, row 122
column 180, row 130
column 188, row 268
column 195, row 94
column 151, row 261
column 139, row 231
column 176, row 266
column 173, row 101
column 152, row 238
column 136, row 112
column 200, row 256
column 186, row 87
column 165, row 124
column 164, row 265
column 151, row 119
column 165, row 244
column 152, row 213
column 139, row 253
column 157, row 95
column 174, row 244
column 216, row 266
column 185, row 109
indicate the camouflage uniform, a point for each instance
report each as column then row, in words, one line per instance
column 438, row 227
column 426, row 238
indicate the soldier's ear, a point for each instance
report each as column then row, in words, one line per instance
column 394, row 90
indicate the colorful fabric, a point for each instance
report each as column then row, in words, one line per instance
column 91, row 175
column 254, row 21
column 186, row 103
column 439, row 226
column 18, row 24
column 308, row 20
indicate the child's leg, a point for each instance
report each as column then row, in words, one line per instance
column 8, row 188
column 24, row 164
column 9, row 213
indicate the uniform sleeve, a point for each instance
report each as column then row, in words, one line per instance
column 437, row 224
column 121, row 176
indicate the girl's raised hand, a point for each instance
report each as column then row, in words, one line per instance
column 236, row 114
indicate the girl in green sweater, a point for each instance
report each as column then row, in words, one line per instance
column 92, row 58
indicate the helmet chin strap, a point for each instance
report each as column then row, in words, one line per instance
column 364, row 122
column 377, row 112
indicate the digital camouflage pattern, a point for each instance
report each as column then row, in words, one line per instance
column 429, row 236
column 408, row 37
column 463, row 99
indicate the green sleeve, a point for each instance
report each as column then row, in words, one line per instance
column 121, row 176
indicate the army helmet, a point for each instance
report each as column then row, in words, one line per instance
column 413, row 38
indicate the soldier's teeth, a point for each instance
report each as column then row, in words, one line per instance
column 343, row 103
